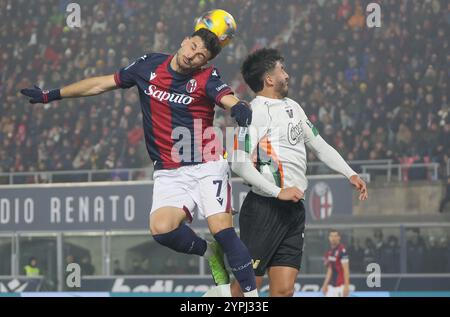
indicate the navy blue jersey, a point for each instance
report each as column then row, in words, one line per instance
column 334, row 259
column 175, row 106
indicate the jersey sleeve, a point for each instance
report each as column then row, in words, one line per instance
column 248, row 138
column 343, row 255
column 245, row 149
column 309, row 130
column 126, row 76
column 216, row 88
column 326, row 263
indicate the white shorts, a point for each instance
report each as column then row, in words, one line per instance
column 335, row 291
column 205, row 187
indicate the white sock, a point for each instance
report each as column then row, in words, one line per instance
column 219, row 291
column 253, row 293
column 212, row 292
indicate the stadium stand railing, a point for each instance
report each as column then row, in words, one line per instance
column 375, row 168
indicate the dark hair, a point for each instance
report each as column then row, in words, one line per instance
column 334, row 230
column 257, row 64
column 210, row 40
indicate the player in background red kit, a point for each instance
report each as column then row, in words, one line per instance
column 337, row 280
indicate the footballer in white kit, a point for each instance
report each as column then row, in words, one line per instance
column 270, row 155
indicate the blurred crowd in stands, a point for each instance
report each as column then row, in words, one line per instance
column 379, row 93
column 424, row 253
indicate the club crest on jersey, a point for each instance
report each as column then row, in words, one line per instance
column 290, row 113
column 191, row 86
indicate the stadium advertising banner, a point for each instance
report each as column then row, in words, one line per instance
column 126, row 205
column 179, row 285
column 18, row 285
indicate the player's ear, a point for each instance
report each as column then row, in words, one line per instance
column 268, row 81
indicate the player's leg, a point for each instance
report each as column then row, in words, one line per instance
column 236, row 288
column 220, row 226
column 214, row 203
column 334, row 291
column 167, row 228
column 282, row 281
column 172, row 205
column 285, row 263
column 340, row 291
column 261, row 231
column 330, row 292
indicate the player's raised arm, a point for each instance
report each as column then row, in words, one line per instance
column 240, row 110
column 89, row 87
column 327, row 154
column 222, row 95
column 123, row 78
column 86, row 87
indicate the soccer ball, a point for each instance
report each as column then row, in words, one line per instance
column 220, row 22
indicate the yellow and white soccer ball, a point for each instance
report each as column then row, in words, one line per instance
column 220, row 22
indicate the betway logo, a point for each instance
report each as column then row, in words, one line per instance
column 162, row 95
column 158, row 286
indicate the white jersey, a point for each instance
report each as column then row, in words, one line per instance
column 275, row 142
column 281, row 128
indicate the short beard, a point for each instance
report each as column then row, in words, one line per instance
column 283, row 91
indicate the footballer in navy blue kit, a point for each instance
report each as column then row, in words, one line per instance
column 177, row 95
column 178, row 99
column 337, row 279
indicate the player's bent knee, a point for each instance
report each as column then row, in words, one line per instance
column 165, row 220
column 219, row 222
column 282, row 292
column 161, row 227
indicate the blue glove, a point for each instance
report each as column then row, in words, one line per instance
column 41, row 96
column 242, row 113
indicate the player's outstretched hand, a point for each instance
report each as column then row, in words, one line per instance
column 360, row 185
column 291, row 193
column 38, row 95
column 242, row 113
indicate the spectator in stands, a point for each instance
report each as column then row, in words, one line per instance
column 416, row 252
column 117, row 270
column 369, row 252
column 435, row 257
column 391, row 256
column 136, row 268
column 87, row 268
column 31, row 269
column 379, row 247
column 446, row 198
column 356, row 252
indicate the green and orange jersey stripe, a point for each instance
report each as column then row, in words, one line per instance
column 264, row 154
column 267, row 155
